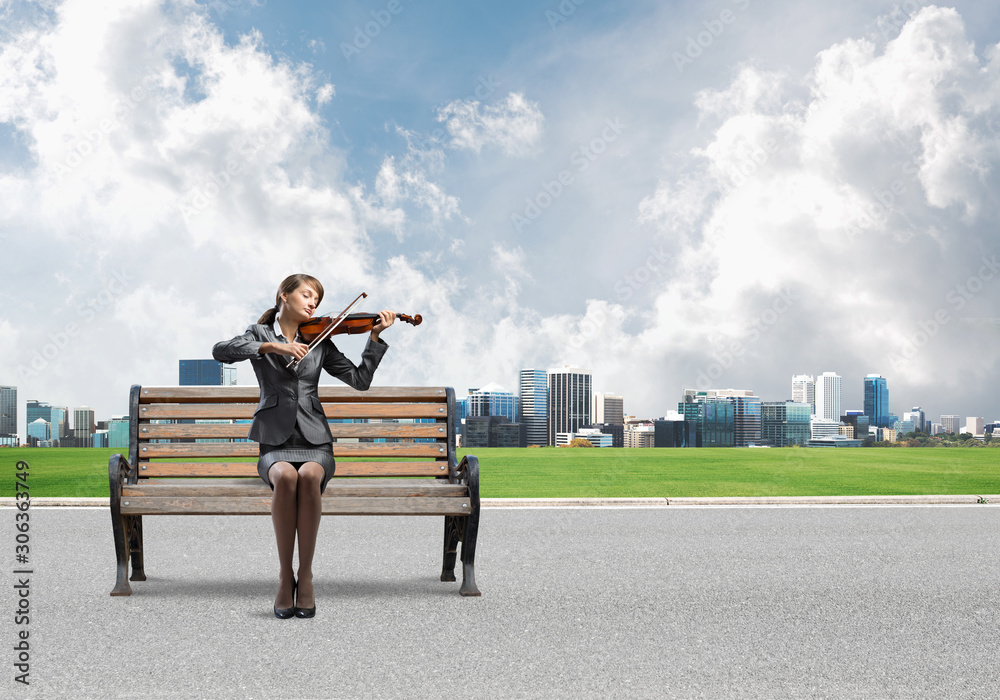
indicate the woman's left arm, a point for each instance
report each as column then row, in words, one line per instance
column 357, row 376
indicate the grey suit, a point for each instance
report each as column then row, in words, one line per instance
column 287, row 394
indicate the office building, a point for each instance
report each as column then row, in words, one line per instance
column 534, row 405
column 859, row 424
column 746, row 411
column 206, row 373
column 834, row 441
column 804, row 390
column 8, row 411
column 118, row 432
column 640, row 435
column 570, row 393
column 714, row 418
column 491, row 400
column 83, row 426
column 916, row 414
column 820, row 428
column 592, row 435
column 608, row 409
column 785, row 423
column 973, row 425
column 877, row 400
column 951, row 424
column 828, row 396
column 491, row 431
column 60, row 425
column 674, row 432
column 902, row 427
column 38, row 431
column 34, row 410
column 617, row 432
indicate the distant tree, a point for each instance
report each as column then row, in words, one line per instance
column 580, row 442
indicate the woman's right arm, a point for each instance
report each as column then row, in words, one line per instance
column 242, row 347
column 247, row 346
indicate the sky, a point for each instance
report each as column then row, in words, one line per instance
column 674, row 195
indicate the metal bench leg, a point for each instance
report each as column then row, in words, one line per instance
column 469, row 555
column 452, row 534
column 121, row 550
column 118, row 470
column 133, row 524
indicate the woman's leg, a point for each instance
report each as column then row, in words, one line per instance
column 310, row 508
column 284, row 514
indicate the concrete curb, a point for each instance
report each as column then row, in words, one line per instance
column 50, row 501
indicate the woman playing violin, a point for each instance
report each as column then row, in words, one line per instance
column 296, row 454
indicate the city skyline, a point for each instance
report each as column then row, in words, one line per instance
column 528, row 378
column 656, row 190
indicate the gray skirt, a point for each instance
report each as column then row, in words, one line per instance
column 297, row 451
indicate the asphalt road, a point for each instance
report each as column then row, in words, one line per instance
column 758, row 602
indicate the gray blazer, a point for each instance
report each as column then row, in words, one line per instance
column 287, row 394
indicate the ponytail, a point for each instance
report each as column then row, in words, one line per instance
column 268, row 316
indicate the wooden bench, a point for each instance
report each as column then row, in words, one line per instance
column 169, row 472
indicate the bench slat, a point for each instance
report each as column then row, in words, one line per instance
column 251, row 449
column 338, row 430
column 344, row 469
column 237, row 411
column 374, row 488
column 247, row 393
column 332, row 505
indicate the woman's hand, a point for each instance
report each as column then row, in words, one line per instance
column 385, row 319
column 296, row 350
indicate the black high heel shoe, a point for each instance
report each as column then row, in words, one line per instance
column 285, row 613
column 305, row 612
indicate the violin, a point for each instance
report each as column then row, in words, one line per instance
column 350, row 324
column 316, row 330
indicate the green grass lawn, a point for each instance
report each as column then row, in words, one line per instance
column 591, row 473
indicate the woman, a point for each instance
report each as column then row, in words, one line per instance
column 296, row 454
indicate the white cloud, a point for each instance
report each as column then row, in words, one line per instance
column 513, row 125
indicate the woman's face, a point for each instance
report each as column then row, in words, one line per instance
column 300, row 303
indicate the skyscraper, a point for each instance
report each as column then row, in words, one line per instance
column 570, row 390
column 804, row 390
column 8, row 411
column 83, row 426
column 534, row 406
column 877, row 401
column 828, row 396
column 785, row 423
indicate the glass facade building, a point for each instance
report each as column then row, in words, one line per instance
column 877, row 401
column 714, row 419
column 534, row 406
column 206, row 373
column 491, row 400
column 785, row 423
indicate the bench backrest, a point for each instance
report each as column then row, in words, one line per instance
column 168, row 435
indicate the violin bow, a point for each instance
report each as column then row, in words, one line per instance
column 327, row 332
